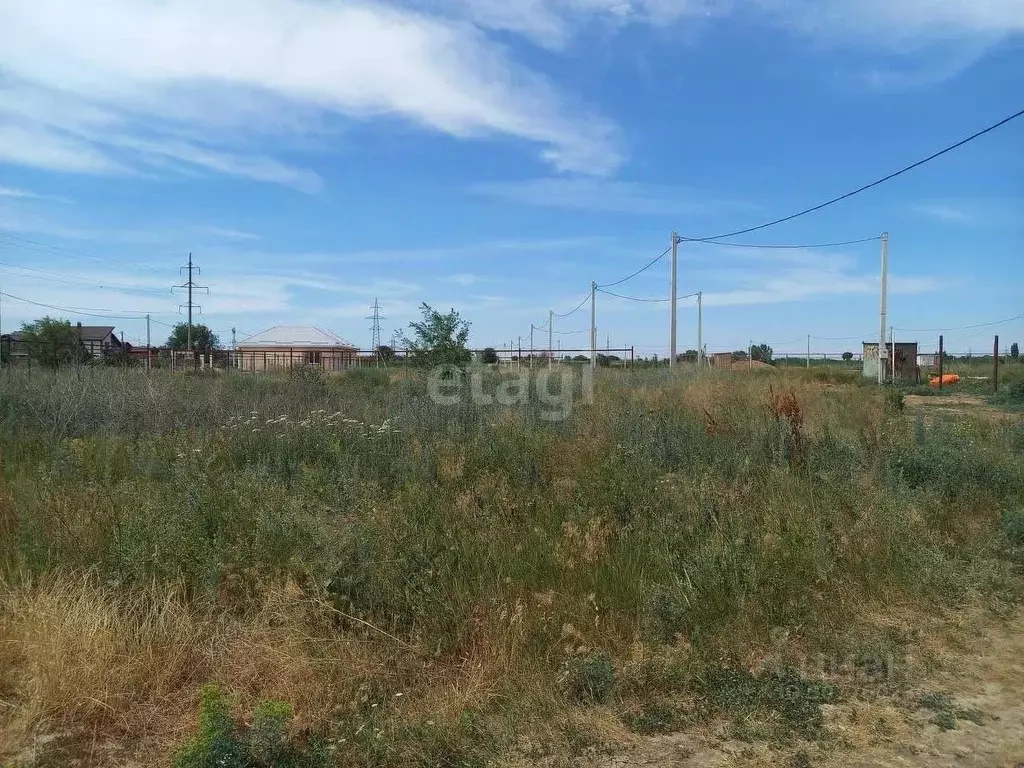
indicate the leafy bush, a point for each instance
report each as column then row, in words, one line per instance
column 779, row 692
column 894, row 400
column 589, row 679
column 220, row 743
column 1013, row 526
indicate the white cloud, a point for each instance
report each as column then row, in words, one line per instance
column 943, row 212
column 14, row 193
column 123, row 82
column 876, row 22
column 604, row 195
column 463, row 278
column 900, row 23
column 229, row 234
column 36, row 146
column 743, row 277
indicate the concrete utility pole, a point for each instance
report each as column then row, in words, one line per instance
column 593, row 325
column 191, row 286
column 551, row 336
column 531, row 346
column 808, row 351
column 700, row 329
column 149, row 355
column 892, row 352
column 883, row 315
column 672, row 300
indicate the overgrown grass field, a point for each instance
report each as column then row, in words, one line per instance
column 340, row 572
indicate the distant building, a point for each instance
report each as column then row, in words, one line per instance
column 286, row 347
column 906, row 365
column 927, row 361
column 99, row 341
column 722, row 359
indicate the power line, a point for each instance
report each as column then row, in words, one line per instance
column 576, row 309
column 39, row 246
column 89, row 312
column 791, row 247
column 644, row 268
column 864, row 188
column 961, row 328
column 653, row 301
column 845, row 338
column 59, row 277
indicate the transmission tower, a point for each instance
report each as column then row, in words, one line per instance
column 376, row 317
column 191, row 286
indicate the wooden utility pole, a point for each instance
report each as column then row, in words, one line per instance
column 995, row 366
column 942, row 354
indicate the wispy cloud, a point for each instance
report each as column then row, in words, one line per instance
column 462, row 278
column 605, row 196
column 229, row 234
column 24, row 194
column 943, row 212
column 895, row 24
column 120, row 84
column 743, row 277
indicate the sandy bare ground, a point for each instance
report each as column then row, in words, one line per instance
column 985, row 678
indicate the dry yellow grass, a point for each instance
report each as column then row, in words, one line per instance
column 130, row 663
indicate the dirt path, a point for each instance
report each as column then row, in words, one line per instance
column 982, row 682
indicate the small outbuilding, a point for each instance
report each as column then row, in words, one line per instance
column 903, row 368
column 287, row 347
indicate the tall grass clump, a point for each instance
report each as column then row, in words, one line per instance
column 414, row 584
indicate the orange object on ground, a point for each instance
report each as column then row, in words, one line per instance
column 947, row 378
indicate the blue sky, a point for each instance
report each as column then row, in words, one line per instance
column 497, row 155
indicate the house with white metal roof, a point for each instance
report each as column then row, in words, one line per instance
column 286, row 347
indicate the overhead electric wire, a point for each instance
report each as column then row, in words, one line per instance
column 575, row 309
column 41, row 245
column 864, row 188
column 962, row 327
column 793, row 247
column 845, row 338
column 62, row 277
column 635, row 298
column 87, row 311
column 644, row 268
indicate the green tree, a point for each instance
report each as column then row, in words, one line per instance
column 1014, row 350
column 53, row 342
column 739, row 354
column 689, row 356
column 438, row 339
column 489, row 355
column 203, row 339
column 385, row 353
column 762, row 353
column 847, row 356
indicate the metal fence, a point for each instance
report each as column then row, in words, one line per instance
column 39, row 355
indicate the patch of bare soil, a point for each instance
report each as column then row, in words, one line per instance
column 952, row 405
column 967, row 714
